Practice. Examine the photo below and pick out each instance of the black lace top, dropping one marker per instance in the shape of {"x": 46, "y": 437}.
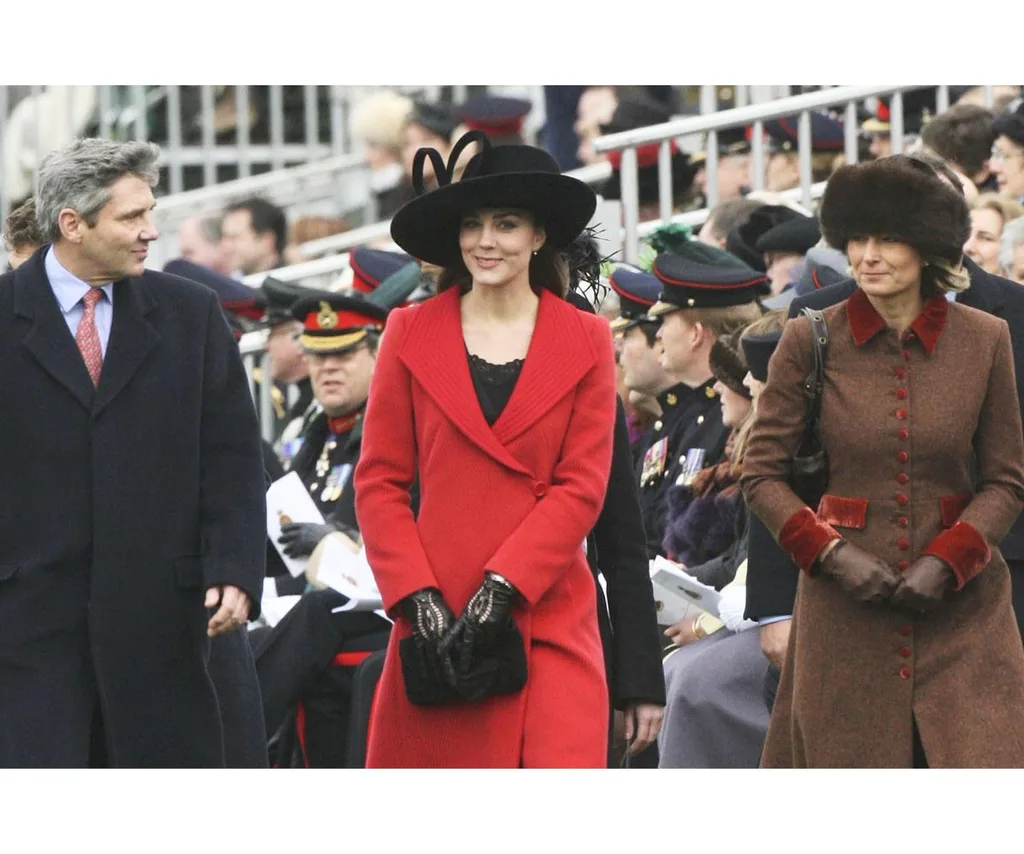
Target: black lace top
{"x": 493, "y": 384}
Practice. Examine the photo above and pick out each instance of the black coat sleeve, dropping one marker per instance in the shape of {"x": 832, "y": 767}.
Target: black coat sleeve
{"x": 771, "y": 575}
{"x": 622, "y": 559}
{"x": 232, "y": 489}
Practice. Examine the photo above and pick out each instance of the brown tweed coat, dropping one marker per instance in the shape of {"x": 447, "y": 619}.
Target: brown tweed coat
{"x": 899, "y": 419}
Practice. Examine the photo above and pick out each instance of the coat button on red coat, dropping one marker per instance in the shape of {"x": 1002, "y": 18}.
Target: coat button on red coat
{"x": 905, "y": 672}
{"x": 901, "y": 499}
{"x": 906, "y": 631}
{"x": 903, "y": 456}
{"x": 901, "y": 393}
{"x": 902, "y": 477}
{"x": 903, "y": 545}
{"x": 905, "y": 652}
{"x": 901, "y": 414}
{"x": 540, "y": 489}
{"x": 904, "y": 434}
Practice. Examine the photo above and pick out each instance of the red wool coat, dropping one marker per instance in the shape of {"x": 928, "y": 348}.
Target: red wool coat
{"x": 517, "y": 498}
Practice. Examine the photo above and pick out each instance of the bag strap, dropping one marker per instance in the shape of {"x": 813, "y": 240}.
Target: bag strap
{"x": 814, "y": 385}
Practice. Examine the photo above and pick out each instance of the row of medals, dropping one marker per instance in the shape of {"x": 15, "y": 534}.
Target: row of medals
{"x": 333, "y": 486}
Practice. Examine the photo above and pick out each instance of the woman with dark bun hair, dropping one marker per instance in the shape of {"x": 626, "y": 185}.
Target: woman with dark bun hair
{"x": 498, "y": 396}
{"x": 904, "y": 648}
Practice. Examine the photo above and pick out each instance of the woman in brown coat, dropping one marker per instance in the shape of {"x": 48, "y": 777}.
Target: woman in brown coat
{"x": 904, "y": 649}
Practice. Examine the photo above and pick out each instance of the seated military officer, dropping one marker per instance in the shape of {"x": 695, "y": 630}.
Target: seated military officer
{"x": 293, "y": 659}
{"x": 698, "y": 303}
{"x": 643, "y": 373}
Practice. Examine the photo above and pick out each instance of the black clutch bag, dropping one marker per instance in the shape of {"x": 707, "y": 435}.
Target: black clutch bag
{"x": 424, "y": 680}
{"x": 810, "y": 460}
{"x": 490, "y": 662}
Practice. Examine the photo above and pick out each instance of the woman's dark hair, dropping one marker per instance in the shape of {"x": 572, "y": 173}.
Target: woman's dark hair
{"x": 548, "y": 269}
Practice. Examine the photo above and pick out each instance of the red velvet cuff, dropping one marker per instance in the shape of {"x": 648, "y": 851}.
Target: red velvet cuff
{"x": 964, "y": 549}
{"x": 804, "y": 536}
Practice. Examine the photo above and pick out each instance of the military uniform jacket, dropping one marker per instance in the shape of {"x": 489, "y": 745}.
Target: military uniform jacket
{"x": 325, "y": 463}
{"x": 899, "y": 419}
{"x": 688, "y": 436}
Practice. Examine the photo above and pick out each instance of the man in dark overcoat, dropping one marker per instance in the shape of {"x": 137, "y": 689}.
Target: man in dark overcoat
{"x": 133, "y": 483}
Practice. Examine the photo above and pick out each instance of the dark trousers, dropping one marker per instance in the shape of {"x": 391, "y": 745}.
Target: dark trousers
{"x": 293, "y": 660}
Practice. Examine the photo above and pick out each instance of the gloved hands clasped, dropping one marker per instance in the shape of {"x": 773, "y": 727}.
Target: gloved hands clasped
{"x": 480, "y": 654}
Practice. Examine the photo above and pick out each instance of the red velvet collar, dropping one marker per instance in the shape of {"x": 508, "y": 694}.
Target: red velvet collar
{"x": 865, "y": 322}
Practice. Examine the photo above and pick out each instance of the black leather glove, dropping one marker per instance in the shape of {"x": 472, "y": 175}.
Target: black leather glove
{"x": 430, "y": 618}
{"x": 429, "y": 615}
{"x": 301, "y": 538}
{"x": 482, "y": 653}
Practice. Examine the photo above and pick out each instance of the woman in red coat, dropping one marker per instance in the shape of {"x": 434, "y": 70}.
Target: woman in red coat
{"x": 499, "y": 396}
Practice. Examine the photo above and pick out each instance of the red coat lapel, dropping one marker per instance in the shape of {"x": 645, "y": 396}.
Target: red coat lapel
{"x": 560, "y": 354}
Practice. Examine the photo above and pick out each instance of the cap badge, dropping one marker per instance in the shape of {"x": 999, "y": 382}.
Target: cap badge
{"x": 327, "y": 318}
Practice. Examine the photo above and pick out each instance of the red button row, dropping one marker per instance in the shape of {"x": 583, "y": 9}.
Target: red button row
{"x": 902, "y": 477}
{"x": 901, "y": 414}
{"x": 903, "y": 456}
{"x": 904, "y": 434}
{"x": 901, "y": 499}
{"x": 901, "y": 393}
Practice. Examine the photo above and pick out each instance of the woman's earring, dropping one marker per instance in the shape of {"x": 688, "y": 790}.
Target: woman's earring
{"x": 535, "y": 251}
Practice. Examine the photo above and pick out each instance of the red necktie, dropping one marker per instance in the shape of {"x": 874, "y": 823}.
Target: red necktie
{"x": 87, "y": 338}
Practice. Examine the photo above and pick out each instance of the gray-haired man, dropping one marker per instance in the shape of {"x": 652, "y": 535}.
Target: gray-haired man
{"x": 130, "y": 459}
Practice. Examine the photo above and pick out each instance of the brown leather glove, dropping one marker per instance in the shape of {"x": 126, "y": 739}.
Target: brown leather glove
{"x": 925, "y": 584}
{"x": 860, "y": 574}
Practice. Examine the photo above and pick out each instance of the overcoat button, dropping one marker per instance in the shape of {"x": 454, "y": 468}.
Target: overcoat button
{"x": 904, "y": 434}
{"x": 902, "y": 477}
{"x": 540, "y": 489}
{"x": 903, "y": 545}
{"x": 901, "y": 373}
{"x": 903, "y": 456}
{"x": 901, "y": 393}
{"x": 906, "y": 631}
{"x": 906, "y": 355}
{"x": 905, "y": 652}
{"x": 905, "y": 672}
{"x": 901, "y": 414}
{"x": 901, "y": 499}
{"x": 903, "y": 565}
{"x": 903, "y": 521}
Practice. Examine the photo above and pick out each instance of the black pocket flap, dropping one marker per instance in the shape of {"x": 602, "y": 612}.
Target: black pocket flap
{"x": 188, "y": 572}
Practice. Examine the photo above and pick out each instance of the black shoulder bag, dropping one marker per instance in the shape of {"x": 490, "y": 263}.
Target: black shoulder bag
{"x": 810, "y": 461}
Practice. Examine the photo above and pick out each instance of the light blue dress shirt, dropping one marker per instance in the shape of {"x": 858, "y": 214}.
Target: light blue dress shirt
{"x": 69, "y": 290}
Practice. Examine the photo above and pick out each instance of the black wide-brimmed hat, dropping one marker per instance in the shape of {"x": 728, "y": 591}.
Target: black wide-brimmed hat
{"x": 516, "y": 177}
{"x": 899, "y": 197}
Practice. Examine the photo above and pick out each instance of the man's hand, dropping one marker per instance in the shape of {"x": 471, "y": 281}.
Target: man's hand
{"x": 643, "y": 723}
{"x": 300, "y": 539}
{"x": 775, "y": 640}
{"x": 233, "y": 612}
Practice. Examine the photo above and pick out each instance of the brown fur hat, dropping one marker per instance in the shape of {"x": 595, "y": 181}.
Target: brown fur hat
{"x": 898, "y": 197}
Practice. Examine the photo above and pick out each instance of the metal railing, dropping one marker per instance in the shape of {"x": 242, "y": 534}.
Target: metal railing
{"x": 208, "y": 134}
{"x": 710, "y": 123}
